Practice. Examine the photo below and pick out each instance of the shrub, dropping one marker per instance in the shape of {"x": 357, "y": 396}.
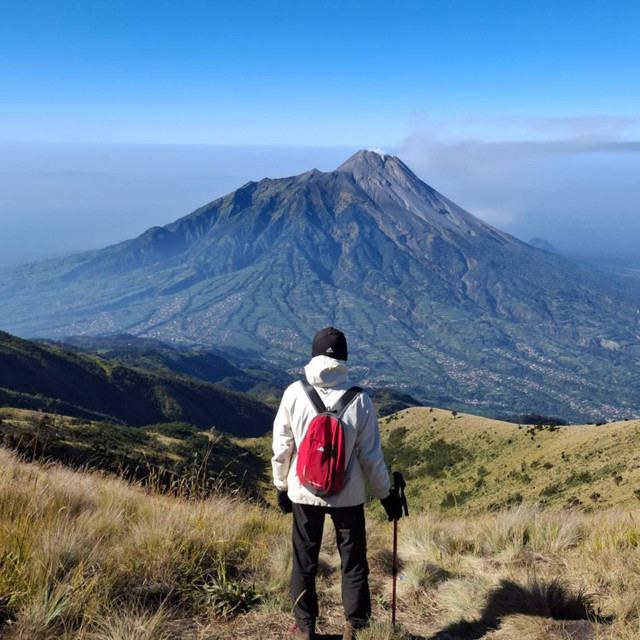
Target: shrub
{"x": 523, "y": 478}
{"x": 229, "y": 597}
{"x": 454, "y": 499}
{"x": 440, "y": 456}
{"x": 512, "y": 500}
{"x": 551, "y": 490}
{"x": 582, "y": 477}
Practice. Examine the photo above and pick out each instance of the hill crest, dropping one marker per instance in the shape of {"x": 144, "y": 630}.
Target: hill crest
{"x": 452, "y": 460}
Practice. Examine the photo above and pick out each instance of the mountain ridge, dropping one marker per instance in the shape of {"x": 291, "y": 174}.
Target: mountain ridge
{"x": 50, "y": 378}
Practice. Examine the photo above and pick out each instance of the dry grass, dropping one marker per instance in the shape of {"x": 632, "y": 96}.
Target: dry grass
{"x": 486, "y": 464}
{"x": 79, "y": 551}
{"x": 84, "y": 556}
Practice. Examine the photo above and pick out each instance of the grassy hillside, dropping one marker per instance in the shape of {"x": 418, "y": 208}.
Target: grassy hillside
{"x": 463, "y": 463}
{"x": 90, "y": 557}
{"x": 174, "y": 457}
{"x": 469, "y": 463}
{"x": 38, "y": 376}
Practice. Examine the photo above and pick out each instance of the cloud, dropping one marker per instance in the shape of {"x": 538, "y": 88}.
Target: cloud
{"x": 501, "y": 129}
{"x": 572, "y": 181}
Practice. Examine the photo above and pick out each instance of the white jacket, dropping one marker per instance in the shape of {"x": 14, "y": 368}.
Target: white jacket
{"x": 329, "y": 377}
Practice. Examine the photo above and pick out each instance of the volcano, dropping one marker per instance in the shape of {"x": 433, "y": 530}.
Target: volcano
{"x": 433, "y": 300}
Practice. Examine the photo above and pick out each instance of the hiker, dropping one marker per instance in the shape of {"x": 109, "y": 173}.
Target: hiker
{"x": 326, "y": 375}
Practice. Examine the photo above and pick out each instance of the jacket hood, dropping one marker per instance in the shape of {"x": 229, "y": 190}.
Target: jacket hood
{"x": 323, "y": 371}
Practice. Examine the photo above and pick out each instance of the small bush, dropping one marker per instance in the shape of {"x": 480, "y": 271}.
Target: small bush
{"x": 522, "y": 478}
{"x": 575, "y": 479}
{"x": 442, "y": 455}
{"x": 229, "y": 597}
{"x": 512, "y": 500}
{"x": 551, "y": 490}
{"x": 454, "y": 499}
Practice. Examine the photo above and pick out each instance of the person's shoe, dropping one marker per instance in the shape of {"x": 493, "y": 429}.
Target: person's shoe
{"x": 349, "y": 631}
{"x": 298, "y": 634}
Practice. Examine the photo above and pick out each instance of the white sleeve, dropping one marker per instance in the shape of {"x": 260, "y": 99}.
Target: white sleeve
{"x": 369, "y": 449}
{"x": 283, "y": 445}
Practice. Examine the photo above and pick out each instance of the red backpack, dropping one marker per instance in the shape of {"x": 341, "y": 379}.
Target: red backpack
{"x": 321, "y": 465}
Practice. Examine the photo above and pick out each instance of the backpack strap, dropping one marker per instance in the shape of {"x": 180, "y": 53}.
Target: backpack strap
{"x": 312, "y": 394}
{"x": 345, "y": 400}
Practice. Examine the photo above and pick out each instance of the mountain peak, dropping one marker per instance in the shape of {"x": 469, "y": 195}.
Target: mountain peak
{"x": 367, "y": 158}
{"x": 367, "y": 165}
{"x": 394, "y": 187}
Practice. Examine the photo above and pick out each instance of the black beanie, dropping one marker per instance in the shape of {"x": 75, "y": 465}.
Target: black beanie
{"x": 329, "y": 342}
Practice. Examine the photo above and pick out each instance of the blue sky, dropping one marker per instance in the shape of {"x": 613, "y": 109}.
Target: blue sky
{"x": 488, "y": 101}
{"x": 306, "y": 73}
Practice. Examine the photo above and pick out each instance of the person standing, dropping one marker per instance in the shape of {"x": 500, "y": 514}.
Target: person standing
{"x": 327, "y": 375}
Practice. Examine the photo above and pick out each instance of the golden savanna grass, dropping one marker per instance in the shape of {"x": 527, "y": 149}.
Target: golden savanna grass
{"x": 90, "y": 557}
{"x": 488, "y": 464}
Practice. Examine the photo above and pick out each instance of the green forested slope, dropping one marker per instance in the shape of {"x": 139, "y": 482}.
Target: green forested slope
{"x": 47, "y": 377}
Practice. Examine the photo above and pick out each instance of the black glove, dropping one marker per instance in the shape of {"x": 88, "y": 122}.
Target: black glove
{"x": 392, "y": 505}
{"x": 284, "y": 502}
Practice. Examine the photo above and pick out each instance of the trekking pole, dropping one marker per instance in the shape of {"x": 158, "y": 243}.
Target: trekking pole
{"x": 395, "y": 571}
{"x": 398, "y": 486}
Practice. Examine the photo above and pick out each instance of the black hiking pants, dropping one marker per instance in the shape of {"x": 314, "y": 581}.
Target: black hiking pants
{"x": 308, "y": 522}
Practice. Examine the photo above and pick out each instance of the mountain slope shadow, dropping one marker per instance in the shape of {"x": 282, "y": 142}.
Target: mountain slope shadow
{"x": 548, "y": 600}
